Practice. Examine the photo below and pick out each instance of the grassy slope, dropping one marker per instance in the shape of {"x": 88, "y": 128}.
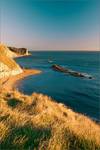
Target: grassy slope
{"x": 5, "y": 51}
{"x": 37, "y": 122}
{"x": 8, "y": 62}
{"x": 5, "y": 55}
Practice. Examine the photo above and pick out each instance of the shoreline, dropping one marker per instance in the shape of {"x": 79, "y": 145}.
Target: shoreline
{"x": 18, "y": 56}
{"x": 9, "y": 83}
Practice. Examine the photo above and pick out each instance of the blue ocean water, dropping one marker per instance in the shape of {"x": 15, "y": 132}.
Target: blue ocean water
{"x": 82, "y": 95}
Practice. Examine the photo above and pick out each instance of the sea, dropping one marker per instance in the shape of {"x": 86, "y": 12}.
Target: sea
{"x": 80, "y": 94}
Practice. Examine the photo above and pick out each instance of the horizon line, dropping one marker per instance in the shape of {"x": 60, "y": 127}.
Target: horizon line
{"x": 62, "y": 50}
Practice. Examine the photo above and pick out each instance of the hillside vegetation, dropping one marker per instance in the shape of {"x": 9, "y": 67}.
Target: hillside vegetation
{"x": 6, "y": 57}
{"x": 4, "y": 50}
{"x": 37, "y": 122}
{"x": 8, "y": 66}
{"x": 10, "y": 63}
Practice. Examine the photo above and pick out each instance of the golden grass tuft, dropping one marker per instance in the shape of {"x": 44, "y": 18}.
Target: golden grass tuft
{"x": 38, "y": 122}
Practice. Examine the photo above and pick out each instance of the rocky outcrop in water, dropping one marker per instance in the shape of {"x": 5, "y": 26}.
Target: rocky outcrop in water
{"x": 70, "y": 72}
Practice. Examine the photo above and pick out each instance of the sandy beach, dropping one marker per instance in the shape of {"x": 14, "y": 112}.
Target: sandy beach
{"x": 9, "y": 83}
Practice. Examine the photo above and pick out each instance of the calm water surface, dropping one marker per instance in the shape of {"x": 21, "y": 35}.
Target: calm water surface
{"x": 82, "y": 95}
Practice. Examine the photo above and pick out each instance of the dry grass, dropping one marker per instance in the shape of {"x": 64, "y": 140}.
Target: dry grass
{"x": 9, "y": 62}
{"x": 6, "y": 57}
{"x": 37, "y": 122}
{"x": 4, "y": 50}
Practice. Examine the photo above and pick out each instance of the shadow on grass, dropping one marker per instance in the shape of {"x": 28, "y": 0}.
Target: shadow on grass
{"x": 13, "y": 102}
{"x": 79, "y": 143}
{"x": 29, "y": 138}
{"x": 26, "y": 138}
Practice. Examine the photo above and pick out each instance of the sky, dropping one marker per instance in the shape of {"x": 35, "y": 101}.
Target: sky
{"x": 50, "y": 24}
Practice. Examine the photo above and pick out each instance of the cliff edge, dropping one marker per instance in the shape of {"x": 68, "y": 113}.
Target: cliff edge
{"x": 8, "y": 66}
{"x": 37, "y": 122}
{"x": 19, "y": 51}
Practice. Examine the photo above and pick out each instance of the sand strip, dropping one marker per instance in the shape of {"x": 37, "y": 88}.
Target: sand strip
{"x": 9, "y": 83}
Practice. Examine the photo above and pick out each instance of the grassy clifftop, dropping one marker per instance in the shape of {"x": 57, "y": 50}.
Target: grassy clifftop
{"x": 4, "y": 50}
{"x": 8, "y": 66}
{"x": 9, "y": 62}
{"x": 6, "y": 57}
{"x": 37, "y": 122}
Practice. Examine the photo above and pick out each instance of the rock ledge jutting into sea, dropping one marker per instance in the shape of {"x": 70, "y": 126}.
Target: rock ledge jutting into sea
{"x": 19, "y": 51}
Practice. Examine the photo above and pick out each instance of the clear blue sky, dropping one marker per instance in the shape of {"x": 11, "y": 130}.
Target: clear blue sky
{"x": 50, "y": 24}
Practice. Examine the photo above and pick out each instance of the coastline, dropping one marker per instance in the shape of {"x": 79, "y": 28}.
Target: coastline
{"x": 23, "y": 116}
{"x": 9, "y": 83}
{"x": 18, "y": 55}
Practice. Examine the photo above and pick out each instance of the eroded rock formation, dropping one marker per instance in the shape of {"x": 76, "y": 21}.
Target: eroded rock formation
{"x": 20, "y": 51}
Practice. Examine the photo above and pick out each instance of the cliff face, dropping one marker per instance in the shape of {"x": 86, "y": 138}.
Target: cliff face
{"x": 20, "y": 51}
{"x": 8, "y": 66}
